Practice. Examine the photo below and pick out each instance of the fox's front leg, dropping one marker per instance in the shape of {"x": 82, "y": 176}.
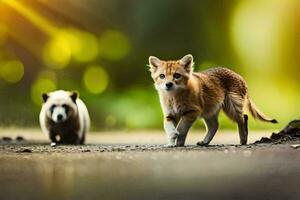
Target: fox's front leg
{"x": 170, "y": 129}
{"x": 212, "y": 126}
{"x": 183, "y": 126}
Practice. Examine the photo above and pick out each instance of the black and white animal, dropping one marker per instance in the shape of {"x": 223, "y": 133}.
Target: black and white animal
{"x": 64, "y": 117}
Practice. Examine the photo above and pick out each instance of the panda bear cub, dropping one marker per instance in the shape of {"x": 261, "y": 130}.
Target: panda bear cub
{"x": 64, "y": 117}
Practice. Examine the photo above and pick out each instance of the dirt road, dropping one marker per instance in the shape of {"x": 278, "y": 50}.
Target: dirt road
{"x": 121, "y": 165}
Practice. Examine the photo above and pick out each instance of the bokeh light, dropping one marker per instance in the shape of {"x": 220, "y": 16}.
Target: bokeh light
{"x": 12, "y": 71}
{"x": 45, "y": 82}
{"x": 95, "y": 79}
{"x": 263, "y": 37}
{"x": 88, "y": 47}
{"x": 113, "y": 45}
{"x": 67, "y": 44}
{"x": 257, "y": 32}
{"x": 57, "y": 53}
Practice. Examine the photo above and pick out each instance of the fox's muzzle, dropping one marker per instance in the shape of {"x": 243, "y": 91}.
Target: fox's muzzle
{"x": 169, "y": 85}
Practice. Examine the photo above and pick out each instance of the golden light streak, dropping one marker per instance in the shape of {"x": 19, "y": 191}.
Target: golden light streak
{"x": 34, "y": 17}
{"x": 64, "y": 45}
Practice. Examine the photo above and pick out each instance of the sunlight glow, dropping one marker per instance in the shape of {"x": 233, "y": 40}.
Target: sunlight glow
{"x": 113, "y": 45}
{"x": 257, "y": 32}
{"x": 88, "y": 47}
{"x": 45, "y": 82}
{"x": 12, "y": 71}
{"x": 69, "y": 44}
{"x": 31, "y": 15}
{"x": 57, "y": 53}
{"x": 95, "y": 79}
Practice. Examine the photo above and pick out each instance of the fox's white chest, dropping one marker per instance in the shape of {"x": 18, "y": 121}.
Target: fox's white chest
{"x": 170, "y": 106}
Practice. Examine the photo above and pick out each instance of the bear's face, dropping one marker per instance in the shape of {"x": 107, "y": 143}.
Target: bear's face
{"x": 60, "y": 105}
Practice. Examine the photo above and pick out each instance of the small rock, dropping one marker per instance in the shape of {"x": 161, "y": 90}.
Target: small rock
{"x": 264, "y": 140}
{"x": 86, "y": 150}
{"x": 295, "y": 146}
{"x": 6, "y": 138}
{"x": 24, "y": 151}
{"x": 118, "y": 149}
{"x": 20, "y": 138}
{"x": 53, "y": 144}
{"x": 276, "y": 136}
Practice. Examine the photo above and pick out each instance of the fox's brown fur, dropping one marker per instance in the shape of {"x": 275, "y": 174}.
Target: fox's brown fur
{"x": 186, "y": 95}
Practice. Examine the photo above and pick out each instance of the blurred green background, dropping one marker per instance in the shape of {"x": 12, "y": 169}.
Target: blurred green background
{"x": 101, "y": 47}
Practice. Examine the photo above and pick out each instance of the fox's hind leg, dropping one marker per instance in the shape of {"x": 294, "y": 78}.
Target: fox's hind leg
{"x": 243, "y": 130}
{"x": 233, "y": 108}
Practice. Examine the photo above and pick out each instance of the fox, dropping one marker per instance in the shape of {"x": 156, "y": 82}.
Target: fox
{"x": 186, "y": 95}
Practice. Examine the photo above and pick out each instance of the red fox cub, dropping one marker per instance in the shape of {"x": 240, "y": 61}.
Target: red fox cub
{"x": 186, "y": 95}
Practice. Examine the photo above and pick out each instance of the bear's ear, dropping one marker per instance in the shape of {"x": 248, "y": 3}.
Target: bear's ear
{"x": 45, "y": 97}
{"x": 74, "y": 95}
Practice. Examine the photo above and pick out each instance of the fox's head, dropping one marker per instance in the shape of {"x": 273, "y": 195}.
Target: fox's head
{"x": 171, "y": 75}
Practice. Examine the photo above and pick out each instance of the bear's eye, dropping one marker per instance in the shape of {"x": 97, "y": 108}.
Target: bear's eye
{"x": 162, "y": 76}
{"x": 177, "y": 76}
{"x": 52, "y": 107}
{"x": 66, "y": 107}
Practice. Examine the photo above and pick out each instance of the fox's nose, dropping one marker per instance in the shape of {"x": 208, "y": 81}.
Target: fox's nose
{"x": 169, "y": 85}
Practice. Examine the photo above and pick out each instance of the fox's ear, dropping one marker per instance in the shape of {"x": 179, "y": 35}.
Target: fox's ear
{"x": 187, "y": 62}
{"x": 154, "y": 63}
{"x": 74, "y": 95}
{"x": 45, "y": 97}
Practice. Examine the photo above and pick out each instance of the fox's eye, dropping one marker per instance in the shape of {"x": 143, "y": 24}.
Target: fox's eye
{"x": 177, "y": 76}
{"x": 161, "y": 76}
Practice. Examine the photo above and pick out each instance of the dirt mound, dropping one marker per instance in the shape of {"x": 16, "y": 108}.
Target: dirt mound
{"x": 290, "y": 133}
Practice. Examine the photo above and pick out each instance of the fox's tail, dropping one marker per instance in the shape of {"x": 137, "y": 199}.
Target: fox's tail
{"x": 257, "y": 114}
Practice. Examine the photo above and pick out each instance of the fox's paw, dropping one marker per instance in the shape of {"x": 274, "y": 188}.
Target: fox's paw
{"x": 202, "y": 143}
{"x": 172, "y": 139}
{"x": 179, "y": 144}
{"x": 170, "y": 145}
{"x": 174, "y": 136}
